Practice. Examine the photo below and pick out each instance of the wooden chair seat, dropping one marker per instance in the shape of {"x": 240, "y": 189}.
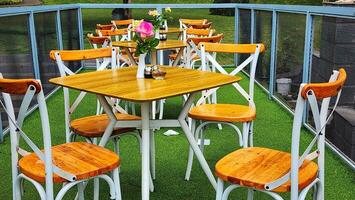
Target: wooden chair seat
{"x": 84, "y": 160}
{"x": 95, "y": 125}
{"x": 223, "y": 113}
{"x": 255, "y": 166}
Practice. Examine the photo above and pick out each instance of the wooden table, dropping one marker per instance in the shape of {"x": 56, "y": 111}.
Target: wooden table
{"x": 163, "y": 45}
{"x": 123, "y": 84}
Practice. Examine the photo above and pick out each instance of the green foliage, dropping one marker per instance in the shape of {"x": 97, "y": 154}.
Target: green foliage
{"x": 144, "y": 45}
{"x": 7, "y": 2}
{"x": 291, "y": 2}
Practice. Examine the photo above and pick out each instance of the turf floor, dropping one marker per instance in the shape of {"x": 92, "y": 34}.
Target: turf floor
{"x": 272, "y": 129}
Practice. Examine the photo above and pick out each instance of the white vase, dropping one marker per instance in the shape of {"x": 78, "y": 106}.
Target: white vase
{"x": 141, "y": 65}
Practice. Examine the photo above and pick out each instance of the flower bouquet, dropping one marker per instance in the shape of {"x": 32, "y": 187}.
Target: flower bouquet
{"x": 159, "y": 18}
{"x": 145, "y": 43}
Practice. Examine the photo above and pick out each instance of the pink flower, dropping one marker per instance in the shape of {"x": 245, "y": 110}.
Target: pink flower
{"x": 145, "y": 29}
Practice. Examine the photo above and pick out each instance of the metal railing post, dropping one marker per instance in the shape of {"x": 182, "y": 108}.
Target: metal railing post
{"x": 273, "y": 52}
{"x": 34, "y": 49}
{"x": 252, "y": 26}
{"x": 81, "y": 31}
{"x": 236, "y": 32}
{"x": 59, "y": 30}
{"x": 307, "y": 56}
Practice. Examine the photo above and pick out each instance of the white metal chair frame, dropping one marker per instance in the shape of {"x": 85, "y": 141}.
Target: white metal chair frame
{"x": 320, "y": 119}
{"x": 16, "y": 133}
{"x": 247, "y": 131}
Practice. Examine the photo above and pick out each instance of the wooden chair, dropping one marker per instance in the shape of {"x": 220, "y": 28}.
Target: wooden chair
{"x": 118, "y": 34}
{"x": 122, "y": 23}
{"x": 190, "y": 33}
{"x": 105, "y": 27}
{"x": 227, "y": 114}
{"x": 207, "y": 25}
{"x": 272, "y": 171}
{"x": 186, "y": 23}
{"x": 194, "y": 53}
{"x": 92, "y": 126}
{"x": 53, "y": 164}
{"x": 105, "y": 41}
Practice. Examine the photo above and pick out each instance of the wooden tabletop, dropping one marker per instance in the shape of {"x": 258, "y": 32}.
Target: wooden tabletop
{"x": 168, "y": 44}
{"x": 123, "y": 84}
{"x": 172, "y": 30}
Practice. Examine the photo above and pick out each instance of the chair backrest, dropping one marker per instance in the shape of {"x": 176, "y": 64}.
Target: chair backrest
{"x": 109, "y": 56}
{"x": 31, "y": 89}
{"x": 202, "y": 26}
{"x": 254, "y": 50}
{"x": 96, "y": 41}
{"x": 185, "y": 23}
{"x": 191, "y": 32}
{"x": 310, "y": 93}
{"x": 119, "y": 34}
{"x": 125, "y": 22}
{"x": 105, "y": 27}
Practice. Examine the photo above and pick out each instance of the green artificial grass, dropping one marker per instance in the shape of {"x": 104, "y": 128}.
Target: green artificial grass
{"x": 272, "y": 129}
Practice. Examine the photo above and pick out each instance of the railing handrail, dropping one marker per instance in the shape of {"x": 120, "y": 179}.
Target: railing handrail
{"x": 301, "y": 9}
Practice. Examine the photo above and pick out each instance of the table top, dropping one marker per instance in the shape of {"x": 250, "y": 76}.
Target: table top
{"x": 172, "y": 30}
{"x": 168, "y": 44}
{"x": 123, "y": 84}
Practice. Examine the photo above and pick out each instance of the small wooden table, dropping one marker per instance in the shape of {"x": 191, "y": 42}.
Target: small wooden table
{"x": 163, "y": 45}
{"x": 123, "y": 84}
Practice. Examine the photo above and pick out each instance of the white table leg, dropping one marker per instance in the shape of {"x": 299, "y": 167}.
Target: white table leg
{"x": 193, "y": 142}
{"x": 145, "y": 150}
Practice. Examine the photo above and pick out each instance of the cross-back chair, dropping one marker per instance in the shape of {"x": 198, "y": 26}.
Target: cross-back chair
{"x": 207, "y": 25}
{"x": 186, "y": 23}
{"x": 194, "y": 53}
{"x": 190, "y": 33}
{"x": 118, "y": 34}
{"x": 92, "y": 126}
{"x": 227, "y": 114}
{"x": 105, "y": 27}
{"x": 124, "y": 22}
{"x": 272, "y": 171}
{"x": 105, "y": 41}
{"x": 53, "y": 164}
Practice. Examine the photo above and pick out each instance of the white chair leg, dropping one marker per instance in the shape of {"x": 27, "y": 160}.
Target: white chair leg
{"x": 133, "y": 109}
{"x": 116, "y": 180}
{"x": 191, "y": 155}
{"x": 161, "y": 107}
{"x": 116, "y": 147}
{"x": 151, "y": 183}
{"x": 251, "y": 135}
{"x": 250, "y": 194}
{"x": 245, "y": 134}
{"x": 219, "y": 192}
{"x": 320, "y": 191}
{"x": 96, "y": 188}
{"x": 81, "y": 188}
{"x": 152, "y": 154}
{"x": 153, "y": 111}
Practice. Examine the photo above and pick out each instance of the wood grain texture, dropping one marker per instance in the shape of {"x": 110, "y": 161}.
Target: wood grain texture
{"x": 255, "y": 166}
{"x": 213, "y": 39}
{"x": 105, "y": 26}
{"x": 123, "y": 22}
{"x": 81, "y": 159}
{"x": 98, "y": 39}
{"x": 18, "y": 86}
{"x": 324, "y": 90}
{"x": 95, "y": 125}
{"x": 88, "y": 54}
{"x": 168, "y": 44}
{"x": 114, "y": 32}
{"x": 172, "y": 30}
{"x": 189, "y": 22}
{"x": 199, "y": 32}
{"x": 123, "y": 84}
{"x": 202, "y": 26}
{"x": 231, "y": 48}
{"x": 223, "y": 113}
